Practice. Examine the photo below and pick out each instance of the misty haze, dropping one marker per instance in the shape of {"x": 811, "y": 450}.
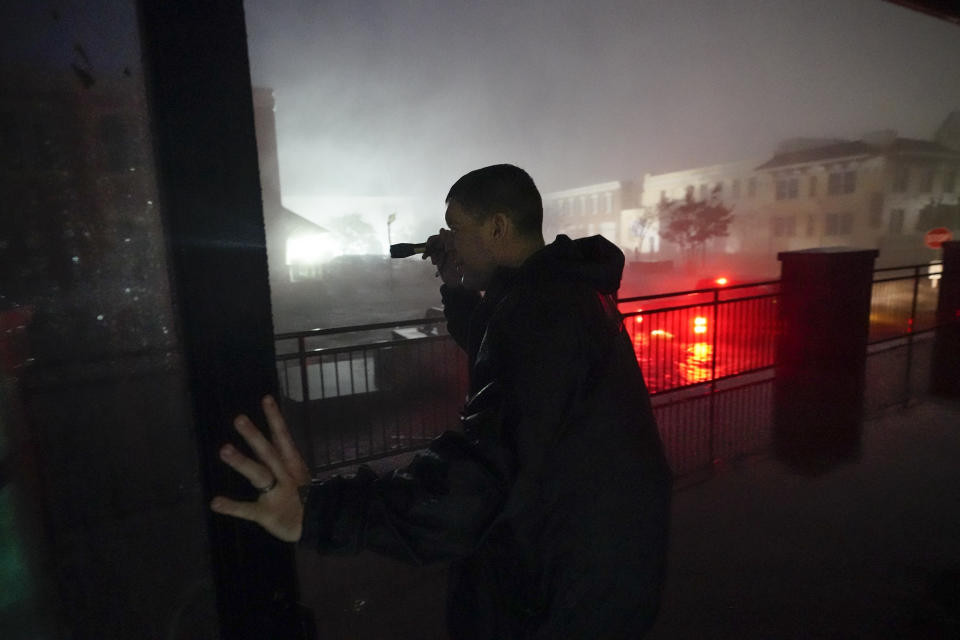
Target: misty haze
{"x": 611, "y": 106}
{"x": 806, "y": 397}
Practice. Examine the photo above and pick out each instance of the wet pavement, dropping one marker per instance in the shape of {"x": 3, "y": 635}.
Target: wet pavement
{"x": 867, "y": 550}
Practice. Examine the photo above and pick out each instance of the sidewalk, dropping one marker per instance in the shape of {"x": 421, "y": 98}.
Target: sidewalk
{"x": 864, "y": 551}
{"x": 868, "y": 550}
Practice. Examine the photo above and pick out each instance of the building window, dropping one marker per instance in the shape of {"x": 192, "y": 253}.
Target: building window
{"x": 810, "y": 225}
{"x": 841, "y": 182}
{"x": 876, "y": 211}
{"x": 703, "y": 191}
{"x": 896, "y": 222}
{"x": 834, "y": 183}
{"x": 689, "y": 193}
{"x": 787, "y": 188}
{"x": 609, "y": 199}
{"x": 949, "y": 181}
{"x": 837, "y": 224}
{"x": 831, "y": 224}
{"x": 849, "y": 181}
{"x": 736, "y": 188}
{"x": 784, "y": 226}
{"x": 901, "y": 179}
{"x": 846, "y": 224}
{"x": 663, "y": 195}
{"x": 813, "y": 186}
{"x": 718, "y": 190}
{"x": 593, "y": 204}
{"x": 926, "y": 181}
{"x": 752, "y": 188}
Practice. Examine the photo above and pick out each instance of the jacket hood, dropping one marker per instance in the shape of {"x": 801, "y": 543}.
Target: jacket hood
{"x": 594, "y": 260}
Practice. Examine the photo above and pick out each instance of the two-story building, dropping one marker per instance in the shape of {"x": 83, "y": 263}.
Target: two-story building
{"x": 590, "y": 210}
{"x": 737, "y": 184}
{"x": 818, "y": 192}
{"x": 862, "y": 193}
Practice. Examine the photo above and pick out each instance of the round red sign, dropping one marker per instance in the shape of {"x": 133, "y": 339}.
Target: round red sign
{"x": 935, "y": 237}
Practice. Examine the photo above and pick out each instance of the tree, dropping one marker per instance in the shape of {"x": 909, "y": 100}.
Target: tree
{"x": 642, "y": 225}
{"x": 689, "y": 223}
{"x": 356, "y": 235}
{"x": 936, "y": 214}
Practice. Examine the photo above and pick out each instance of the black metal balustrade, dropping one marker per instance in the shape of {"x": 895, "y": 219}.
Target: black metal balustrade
{"x": 708, "y": 356}
{"x": 903, "y": 317}
{"x": 358, "y": 393}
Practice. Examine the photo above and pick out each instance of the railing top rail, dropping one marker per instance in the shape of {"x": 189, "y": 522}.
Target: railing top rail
{"x": 910, "y": 266}
{"x": 359, "y": 327}
{"x": 746, "y": 285}
{"x": 899, "y": 278}
{"x": 657, "y": 296}
{"x": 329, "y": 351}
{"x": 705, "y": 303}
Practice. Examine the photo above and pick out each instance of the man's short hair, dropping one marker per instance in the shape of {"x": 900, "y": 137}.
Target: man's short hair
{"x": 504, "y": 188}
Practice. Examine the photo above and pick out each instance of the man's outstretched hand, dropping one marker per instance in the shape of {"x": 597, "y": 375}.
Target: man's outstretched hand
{"x": 278, "y": 474}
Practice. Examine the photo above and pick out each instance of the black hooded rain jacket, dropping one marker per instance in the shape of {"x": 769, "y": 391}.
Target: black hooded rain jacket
{"x": 552, "y": 501}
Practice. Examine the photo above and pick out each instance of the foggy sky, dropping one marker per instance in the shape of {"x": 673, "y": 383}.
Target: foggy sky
{"x": 380, "y": 97}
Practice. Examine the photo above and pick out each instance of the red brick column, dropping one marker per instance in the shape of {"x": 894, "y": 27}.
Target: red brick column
{"x": 821, "y": 356}
{"x": 945, "y": 369}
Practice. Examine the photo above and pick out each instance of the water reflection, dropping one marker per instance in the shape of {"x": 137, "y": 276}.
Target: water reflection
{"x": 697, "y": 363}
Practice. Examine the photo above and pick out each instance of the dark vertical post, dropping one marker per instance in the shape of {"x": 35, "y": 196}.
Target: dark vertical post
{"x": 945, "y": 374}
{"x": 714, "y": 329}
{"x": 911, "y": 328}
{"x": 821, "y": 356}
{"x": 202, "y": 116}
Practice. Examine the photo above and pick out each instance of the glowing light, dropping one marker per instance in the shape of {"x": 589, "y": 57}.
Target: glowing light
{"x": 721, "y": 281}
{"x": 311, "y": 249}
{"x": 661, "y": 332}
{"x": 701, "y": 351}
{"x": 638, "y": 319}
{"x": 695, "y": 367}
{"x": 700, "y": 325}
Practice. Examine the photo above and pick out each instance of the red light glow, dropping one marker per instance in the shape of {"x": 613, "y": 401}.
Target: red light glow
{"x": 700, "y": 325}
{"x": 721, "y": 281}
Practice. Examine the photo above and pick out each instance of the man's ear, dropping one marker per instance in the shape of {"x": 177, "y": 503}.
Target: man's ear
{"x": 500, "y": 225}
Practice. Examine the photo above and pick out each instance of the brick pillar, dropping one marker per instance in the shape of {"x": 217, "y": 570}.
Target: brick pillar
{"x": 945, "y": 369}
{"x": 821, "y": 356}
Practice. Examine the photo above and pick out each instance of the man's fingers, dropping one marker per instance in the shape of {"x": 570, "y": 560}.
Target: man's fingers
{"x": 235, "y": 508}
{"x": 260, "y": 445}
{"x": 283, "y": 441}
{"x": 258, "y": 475}
{"x": 436, "y": 246}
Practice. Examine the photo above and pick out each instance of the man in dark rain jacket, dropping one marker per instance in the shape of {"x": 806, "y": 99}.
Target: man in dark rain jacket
{"x": 552, "y": 501}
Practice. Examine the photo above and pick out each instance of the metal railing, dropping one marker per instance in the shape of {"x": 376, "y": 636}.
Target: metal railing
{"x": 708, "y": 356}
{"x": 702, "y": 335}
{"x": 352, "y": 394}
{"x": 903, "y": 316}
{"x": 357, "y": 393}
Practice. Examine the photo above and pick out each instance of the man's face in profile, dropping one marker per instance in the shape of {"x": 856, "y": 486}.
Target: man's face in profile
{"x": 472, "y": 241}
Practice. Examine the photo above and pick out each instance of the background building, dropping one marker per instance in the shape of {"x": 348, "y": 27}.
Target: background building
{"x": 737, "y": 184}
{"x": 817, "y": 192}
{"x": 590, "y": 210}
{"x": 863, "y": 193}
